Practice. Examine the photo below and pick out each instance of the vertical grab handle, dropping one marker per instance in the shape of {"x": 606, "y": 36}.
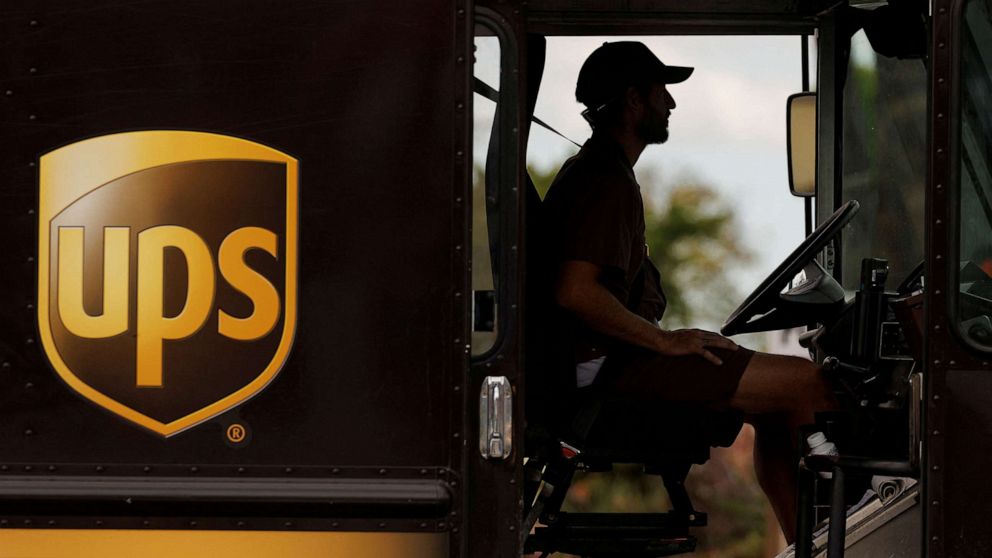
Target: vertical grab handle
{"x": 496, "y": 418}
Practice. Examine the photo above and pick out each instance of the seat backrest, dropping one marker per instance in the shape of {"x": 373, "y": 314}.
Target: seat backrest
{"x": 549, "y": 361}
{"x": 547, "y": 357}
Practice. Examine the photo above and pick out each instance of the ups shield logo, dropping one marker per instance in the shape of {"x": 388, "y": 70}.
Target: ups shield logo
{"x": 167, "y": 272}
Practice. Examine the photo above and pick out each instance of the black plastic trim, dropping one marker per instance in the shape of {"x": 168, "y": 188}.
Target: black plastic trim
{"x": 217, "y": 497}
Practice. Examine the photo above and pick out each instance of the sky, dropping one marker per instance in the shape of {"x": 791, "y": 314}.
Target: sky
{"x": 728, "y": 130}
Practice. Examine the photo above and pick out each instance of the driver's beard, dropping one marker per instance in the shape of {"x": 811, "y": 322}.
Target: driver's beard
{"x": 653, "y": 129}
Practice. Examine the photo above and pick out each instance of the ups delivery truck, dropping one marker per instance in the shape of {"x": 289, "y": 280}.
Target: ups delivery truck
{"x": 239, "y": 314}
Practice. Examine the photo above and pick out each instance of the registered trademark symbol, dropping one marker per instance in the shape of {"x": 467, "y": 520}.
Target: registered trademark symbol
{"x": 236, "y": 433}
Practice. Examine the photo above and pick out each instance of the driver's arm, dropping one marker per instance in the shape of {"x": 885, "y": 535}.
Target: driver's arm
{"x": 579, "y": 291}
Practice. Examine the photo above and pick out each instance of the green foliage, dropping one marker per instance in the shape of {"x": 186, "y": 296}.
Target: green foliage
{"x": 693, "y": 241}
{"x": 543, "y": 178}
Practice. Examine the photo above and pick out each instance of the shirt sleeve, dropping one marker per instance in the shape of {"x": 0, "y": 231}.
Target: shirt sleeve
{"x": 598, "y": 225}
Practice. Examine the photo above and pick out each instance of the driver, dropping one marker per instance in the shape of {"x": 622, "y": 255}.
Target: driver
{"x": 611, "y": 292}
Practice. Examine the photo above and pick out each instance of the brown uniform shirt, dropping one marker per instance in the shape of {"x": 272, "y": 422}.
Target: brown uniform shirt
{"x": 595, "y": 213}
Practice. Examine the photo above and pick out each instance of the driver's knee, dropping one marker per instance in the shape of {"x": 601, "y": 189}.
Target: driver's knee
{"x": 816, "y": 390}
{"x": 781, "y": 384}
{"x": 804, "y": 385}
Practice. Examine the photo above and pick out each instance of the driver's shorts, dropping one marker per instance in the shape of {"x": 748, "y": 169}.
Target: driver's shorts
{"x": 643, "y": 374}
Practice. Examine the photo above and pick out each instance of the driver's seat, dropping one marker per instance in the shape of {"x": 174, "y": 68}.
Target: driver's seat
{"x": 589, "y": 429}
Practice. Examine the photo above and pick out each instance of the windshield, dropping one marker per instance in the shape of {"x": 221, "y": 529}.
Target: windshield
{"x": 884, "y": 160}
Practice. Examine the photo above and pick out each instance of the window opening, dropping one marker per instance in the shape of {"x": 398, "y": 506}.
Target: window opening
{"x": 884, "y": 160}
{"x": 720, "y": 215}
{"x": 726, "y": 156}
{"x": 484, "y": 243}
{"x": 974, "y": 304}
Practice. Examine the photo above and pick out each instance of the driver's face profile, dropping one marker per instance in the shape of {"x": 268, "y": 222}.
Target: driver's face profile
{"x": 661, "y": 99}
{"x": 653, "y": 127}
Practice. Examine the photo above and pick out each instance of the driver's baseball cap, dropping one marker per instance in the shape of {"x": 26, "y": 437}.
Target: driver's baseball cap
{"x": 613, "y": 67}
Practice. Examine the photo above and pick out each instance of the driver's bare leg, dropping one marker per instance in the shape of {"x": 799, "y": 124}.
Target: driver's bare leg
{"x": 778, "y": 394}
{"x": 775, "y": 466}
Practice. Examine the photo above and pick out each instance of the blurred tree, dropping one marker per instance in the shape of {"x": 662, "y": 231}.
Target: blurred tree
{"x": 694, "y": 242}
{"x": 543, "y": 178}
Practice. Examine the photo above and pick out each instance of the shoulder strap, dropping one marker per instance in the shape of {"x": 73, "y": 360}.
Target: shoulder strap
{"x": 484, "y": 89}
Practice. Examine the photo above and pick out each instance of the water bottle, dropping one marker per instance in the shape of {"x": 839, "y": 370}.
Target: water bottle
{"x": 819, "y": 445}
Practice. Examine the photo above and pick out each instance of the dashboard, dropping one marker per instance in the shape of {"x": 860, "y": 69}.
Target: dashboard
{"x": 868, "y": 345}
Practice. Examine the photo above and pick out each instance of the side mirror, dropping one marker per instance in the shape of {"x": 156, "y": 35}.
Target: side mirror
{"x": 801, "y": 124}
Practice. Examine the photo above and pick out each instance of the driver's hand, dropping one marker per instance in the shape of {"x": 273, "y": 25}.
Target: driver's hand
{"x": 693, "y": 342}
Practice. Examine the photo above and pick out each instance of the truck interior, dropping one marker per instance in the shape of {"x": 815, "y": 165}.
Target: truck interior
{"x": 855, "y": 283}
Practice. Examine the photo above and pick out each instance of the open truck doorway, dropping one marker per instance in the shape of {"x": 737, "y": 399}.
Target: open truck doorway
{"x": 719, "y": 215}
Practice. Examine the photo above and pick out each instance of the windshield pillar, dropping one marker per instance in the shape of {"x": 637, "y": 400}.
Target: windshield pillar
{"x": 829, "y": 83}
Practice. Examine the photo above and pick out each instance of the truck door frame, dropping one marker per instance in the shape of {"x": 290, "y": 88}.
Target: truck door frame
{"x": 493, "y": 495}
{"x": 955, "y": 371}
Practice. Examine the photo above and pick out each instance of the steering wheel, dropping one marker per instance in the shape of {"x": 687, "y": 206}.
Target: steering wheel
{"x": 767, "y": 298}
